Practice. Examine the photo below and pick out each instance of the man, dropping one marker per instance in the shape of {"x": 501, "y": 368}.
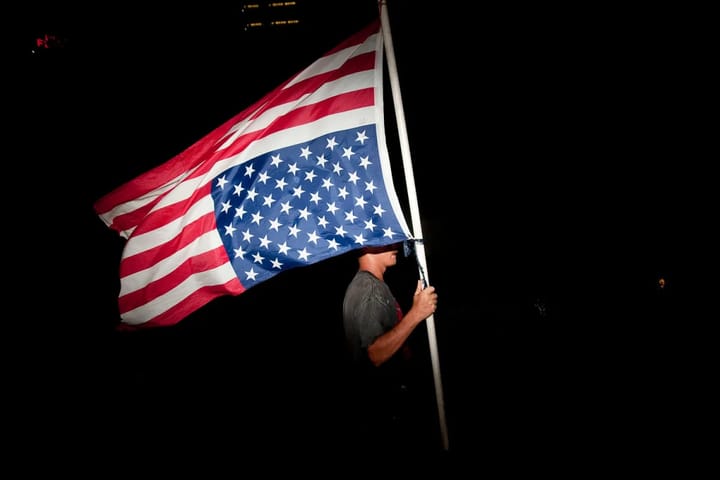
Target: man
{"x": 376, "y": 331}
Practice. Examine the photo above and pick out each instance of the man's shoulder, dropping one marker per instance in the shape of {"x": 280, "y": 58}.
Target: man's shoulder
{"x": 365, "y": 285}
{"x": 363, "y": 278}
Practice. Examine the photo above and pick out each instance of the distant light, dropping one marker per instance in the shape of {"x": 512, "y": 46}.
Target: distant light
{"x": 48, "y": 41}
{"x": 661, "y": 283}
{"x": 284, "y": 22}
{"x": 270, "y": 15}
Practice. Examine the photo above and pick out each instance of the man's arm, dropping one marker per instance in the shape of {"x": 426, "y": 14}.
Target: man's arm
{"x": 385, "y": 346}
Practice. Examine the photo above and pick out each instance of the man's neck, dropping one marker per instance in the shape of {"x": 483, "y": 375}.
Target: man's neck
{"x": 376, "y": 270}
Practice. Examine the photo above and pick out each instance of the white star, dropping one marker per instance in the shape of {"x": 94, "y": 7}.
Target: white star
{"x": 360, "y": 201}
{"x": 284, "y": 248}
{"x": 298, "y": 191}
{"x": 313, "y": 237}
{"x": 315, "y": 198}
{"x": 370, "y": 186}
{"x": 388, "y": 232}
{"x": 275, "y": 225}
{"x": 350, "y": 217}
{"x": 331, "y": 143}
{"x": 229, "y": 229}
{"x": 221, "y": 182}
{"x": 364, "y": 162}
{"x": 265, "y": 242}
{"x": 268, "y": 200}
{"x": 321, "y": 160}
{"x": 276, "y": 160}
{"x": 348, "y": 152}
{"x": 285, "y": 207}
{"x": 250, "y": 274}
{"x": 256, "y": 218}
{"x": 327, "y": 184}
{"x": 332, "y": 208}
{"x": 303, "y": 254}
{"x": 361, "y": 137}
{"x": 359, "y": 239}
{"x": 263, "y": 177}
{"x": 280, "y": 183}
{"x": 304, "y": 213}
{"x": 305, "y": 152}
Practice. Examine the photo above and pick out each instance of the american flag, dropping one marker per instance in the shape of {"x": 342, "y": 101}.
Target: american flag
{"x": 300, "y": 176}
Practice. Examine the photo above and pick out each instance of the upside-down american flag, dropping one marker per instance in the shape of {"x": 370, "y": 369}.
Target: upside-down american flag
{"x": 298, "y": 177}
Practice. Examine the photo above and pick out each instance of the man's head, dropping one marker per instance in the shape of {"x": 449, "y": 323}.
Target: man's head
{"x": 377, "y": 258}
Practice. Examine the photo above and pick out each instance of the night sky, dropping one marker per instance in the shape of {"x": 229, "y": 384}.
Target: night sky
{"x": 561, "y": 171}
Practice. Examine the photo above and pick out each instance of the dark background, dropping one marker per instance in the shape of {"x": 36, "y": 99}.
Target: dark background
{"x": 562, "y": 169}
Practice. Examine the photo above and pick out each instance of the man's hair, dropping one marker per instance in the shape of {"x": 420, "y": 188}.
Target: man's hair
{"x": 380, "y": 248}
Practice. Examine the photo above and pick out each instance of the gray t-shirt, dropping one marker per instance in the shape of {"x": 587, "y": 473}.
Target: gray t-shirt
{"x": 369, "y": 310}
{"x": 380, "y": 398}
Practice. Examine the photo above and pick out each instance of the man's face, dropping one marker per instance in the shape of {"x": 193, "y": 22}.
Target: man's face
{"x": 389, "y": 257}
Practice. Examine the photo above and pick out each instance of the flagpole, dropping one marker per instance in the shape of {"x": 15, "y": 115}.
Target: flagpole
{"x": 414, "y": 210}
